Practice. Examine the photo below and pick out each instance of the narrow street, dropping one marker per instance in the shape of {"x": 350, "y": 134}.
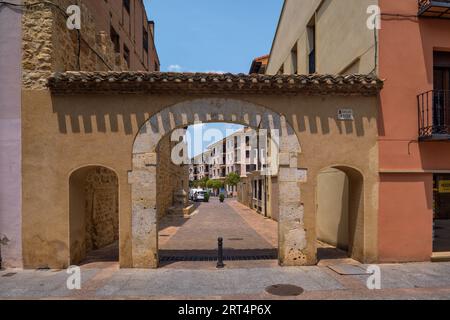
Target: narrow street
{"x": 246, "y": 234}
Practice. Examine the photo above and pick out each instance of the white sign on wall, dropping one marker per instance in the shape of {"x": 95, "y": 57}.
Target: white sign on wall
{"x": 345, "y": 115}
{"x": 302, "y": 175}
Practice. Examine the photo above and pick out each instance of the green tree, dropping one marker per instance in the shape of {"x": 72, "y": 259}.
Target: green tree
{"x": 214, "y": 184}
{"x": 203, "y": 183}
{"x": 232, "y": 179}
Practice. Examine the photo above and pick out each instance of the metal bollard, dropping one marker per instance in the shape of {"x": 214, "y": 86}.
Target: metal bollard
{"x": 220, "y": 264}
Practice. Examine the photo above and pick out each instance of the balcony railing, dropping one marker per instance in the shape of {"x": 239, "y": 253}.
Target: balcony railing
{"x": 434, "y": 115}
{"x": 434, "y": 8}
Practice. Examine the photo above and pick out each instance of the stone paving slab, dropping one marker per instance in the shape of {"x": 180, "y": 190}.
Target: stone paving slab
{"x": 213, "y": 220}
{"x": 406, "y": 281}
{"x": 218, "y": 283}
{"x": 413, "y": 275}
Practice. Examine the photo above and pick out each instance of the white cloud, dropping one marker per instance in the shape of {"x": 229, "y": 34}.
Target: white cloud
{"x": 175, "y": 68}
{"x": 178, "y": 68}
{"x": 214, "y": 71}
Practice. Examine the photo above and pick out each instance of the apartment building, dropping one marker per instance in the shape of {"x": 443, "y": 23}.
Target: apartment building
{"x": 234, "y": 154}
{"x": 411, "y": 52}
{"x": 199, "y": 168}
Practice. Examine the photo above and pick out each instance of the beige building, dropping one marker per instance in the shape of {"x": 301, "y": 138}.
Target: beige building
{"x": 258, "y": 189}
{"x": 324, "y": 37}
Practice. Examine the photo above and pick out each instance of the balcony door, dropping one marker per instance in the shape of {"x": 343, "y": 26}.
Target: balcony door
{"x": 441, "y": 97}
{"x": 442, "y": 78}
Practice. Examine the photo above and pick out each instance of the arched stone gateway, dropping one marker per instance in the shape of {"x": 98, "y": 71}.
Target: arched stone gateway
{"x": 116, "y": 120}
{"x": 292, "y": 233}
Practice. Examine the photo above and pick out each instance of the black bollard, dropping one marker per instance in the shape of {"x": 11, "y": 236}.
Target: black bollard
{"x": 220, "y": 264}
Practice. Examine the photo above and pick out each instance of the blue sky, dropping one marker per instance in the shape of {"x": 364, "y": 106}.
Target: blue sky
{"x": 213, "y": 35}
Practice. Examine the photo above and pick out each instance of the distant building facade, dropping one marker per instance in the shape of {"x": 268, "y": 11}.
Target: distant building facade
{"x": 259, "y": 65}
{"x": 232, "y": 154}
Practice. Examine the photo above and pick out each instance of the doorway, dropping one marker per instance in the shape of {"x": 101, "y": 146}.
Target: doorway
{"x": 339, "y": 210}
{"x": 441, "y": 213}
{"x": 93, "y": 215}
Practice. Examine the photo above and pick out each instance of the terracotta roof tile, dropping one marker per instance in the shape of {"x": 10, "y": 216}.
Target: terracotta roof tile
{"x": 210, "y": 83}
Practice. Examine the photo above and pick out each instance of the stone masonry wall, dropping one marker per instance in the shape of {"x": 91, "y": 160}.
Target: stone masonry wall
{"x": 49, "y": 46}
{"x": 170, "y": 177}
{"x": 102, "y": 209}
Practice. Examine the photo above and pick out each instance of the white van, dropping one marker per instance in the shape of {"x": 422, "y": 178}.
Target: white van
{"x": 193, "y": 192}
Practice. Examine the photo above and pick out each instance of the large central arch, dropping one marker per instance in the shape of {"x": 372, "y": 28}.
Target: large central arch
{"x": 292, "y": 233}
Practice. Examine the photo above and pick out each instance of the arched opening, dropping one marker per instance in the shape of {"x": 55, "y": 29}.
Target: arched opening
{"x": 340, "y": 214}
{"x": 198, "y": 203}
{"x": 93, "y": 215}
{"x": 144, "y": 177}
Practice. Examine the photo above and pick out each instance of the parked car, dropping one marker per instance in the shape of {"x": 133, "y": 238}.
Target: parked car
{"x": 200, "y": 196}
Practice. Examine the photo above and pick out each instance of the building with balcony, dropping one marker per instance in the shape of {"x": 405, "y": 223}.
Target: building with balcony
{"x": 235, "y": 153}
{"x": 411, "y": 52}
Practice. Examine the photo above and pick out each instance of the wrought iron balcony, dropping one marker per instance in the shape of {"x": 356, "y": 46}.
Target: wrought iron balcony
{"x": 434, "y": 115}
{"x": 434, "y": 8}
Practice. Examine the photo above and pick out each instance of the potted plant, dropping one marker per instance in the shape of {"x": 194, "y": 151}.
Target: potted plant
{"x": 206, "y": 197}
{"x": 222, "y": 197}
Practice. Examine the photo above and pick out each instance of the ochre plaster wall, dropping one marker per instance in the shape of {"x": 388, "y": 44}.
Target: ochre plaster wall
{"x": 332, "y": 212}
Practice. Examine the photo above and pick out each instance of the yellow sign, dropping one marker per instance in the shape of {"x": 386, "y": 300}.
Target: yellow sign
{"x": 444, "y": 186}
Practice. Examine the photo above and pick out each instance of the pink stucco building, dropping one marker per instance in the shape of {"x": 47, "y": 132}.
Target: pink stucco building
{"x": 414, "y": 130}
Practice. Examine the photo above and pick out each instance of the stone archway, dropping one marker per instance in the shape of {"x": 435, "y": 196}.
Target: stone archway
{"x": 292, "y": 233}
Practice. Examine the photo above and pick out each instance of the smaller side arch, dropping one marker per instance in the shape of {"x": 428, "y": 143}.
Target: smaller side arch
{"x": 340, "y": 209}
{"x": 93, "y": 212}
